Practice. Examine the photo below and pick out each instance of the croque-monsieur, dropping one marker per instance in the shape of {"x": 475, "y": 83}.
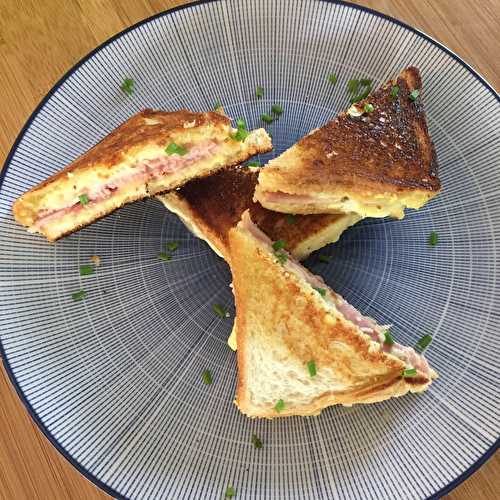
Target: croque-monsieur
{"x": 152, "y": 152}
{"x": 374, "y": 160}
{"x": 301, "y": 346}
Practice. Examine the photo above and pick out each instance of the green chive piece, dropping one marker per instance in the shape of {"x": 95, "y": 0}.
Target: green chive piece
{"x": 361, "y": 96}
{"x": 80, "y": 295}
{"x": 256, "y": 441}
{"x": 424, "y": 342}
{"x": 240, "y": 135}
{"x": 368, "y": 108}
{"x": 240, "y": 123}
{"x": 220, "y": 311}
{"x": 86, "y": 270}
{"x": 279, "y": 406}
{"x": 230, "y": 492}
{"x": 414, "y": 94}
{"x": 277, "y": 109}
{"x": 353, "y": 86}
{"x": 279, "y": 244}
{"x": 365, "y": 82}
{"x": 311, "y": 367}
{"x": 207, "y": 377}
{"x": 291, "y": 219}
{"x": 394, "y": 91}
{"x": 164, "y": 256}
{"x": 174, "y": 149}
{"x": 217, "y": 105}
{"x": 84, "y": 199}
{"x": 321, "y": 291}
{"x": 254, "y": 163}
{"x": 128, "y": 86}
{"x": 410, "y": 372}
{"x": 281, "y": 256}
{"x": 433, "y": 239}
{"x": 324, "y": 258}
{"x": 388, "y": 338}
{"x": 332, "y": 78}
{"x": 267, "y": 118}
{"x": 172, "y": 246}
{"x": 259, "y": 91}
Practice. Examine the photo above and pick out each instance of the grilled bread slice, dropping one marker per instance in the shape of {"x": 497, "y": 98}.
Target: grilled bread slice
{"x": 152, "y": 152}
{"x": 301, "y": 347}
{"x": 211, "y": 206}
{"x": 374, "y": 160}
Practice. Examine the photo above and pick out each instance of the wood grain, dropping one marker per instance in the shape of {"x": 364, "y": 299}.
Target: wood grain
{"x": 39, "y": 42}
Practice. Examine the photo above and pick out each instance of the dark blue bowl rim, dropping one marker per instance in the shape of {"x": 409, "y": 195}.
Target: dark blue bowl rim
{"x": 110, "y": 491}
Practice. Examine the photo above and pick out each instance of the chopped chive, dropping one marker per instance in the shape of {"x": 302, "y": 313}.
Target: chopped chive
{"x": 220, "y": 311}
{"x": 291, "y": 219}
{"x": 368, "y": 108}
{"x": 332, "y": 78}
{"x": 230, "y": 492}
{"x": 254, "y": 163}
{"x": 311, "y": 367}
{"x": 279, "y": 244}
{"x": 84, "y": 199}
{"x": 365, "y": 82}
{"x": 259, "y": 91}
{"x": 410, "y": 372}
{"x": 240, "y": 123}
{"x": 394, "y": 91}
{"x": 279, "y": 406}
{"x": 353, "y": 86}
{"x": 324, "y": 258}
{"x": 433, "y": 239}
{"x": 321, "y": 291}
{"x": 414, "y": 94}
{"x": 217, "y": 105}
{"x": 256, "y": 441}
{"x": 86, "y": 270}
{"x": 172, "y": 246}
{"x": 128, "y": 86}
{"x": 424, "y": 342}
{"x": 80, "y": 295}
{"x": 388, "y": 338}
{"x": 207, "y": 377}
{"x": 361, "y": 96}
{"x": 277, "y": 109}
{"x": 164, "y": 256}
{"x": 174, "y": 149}
{"x": 281, "y": 256}
{"x": 266, "y": 117}
{"x": 240, "y": 135}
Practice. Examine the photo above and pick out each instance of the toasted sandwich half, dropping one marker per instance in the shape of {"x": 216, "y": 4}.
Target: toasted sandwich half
{"x": 211, "y": 206}
{"x": 152, "y": 152}
{"x": 374, "y": 160}
{"x": 301, "y": 346}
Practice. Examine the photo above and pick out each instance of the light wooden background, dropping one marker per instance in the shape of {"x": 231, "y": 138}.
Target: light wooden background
{"x": 39, "y": 41}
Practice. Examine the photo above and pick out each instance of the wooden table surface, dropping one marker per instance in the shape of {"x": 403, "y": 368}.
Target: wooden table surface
{"x": 41, "y": 40}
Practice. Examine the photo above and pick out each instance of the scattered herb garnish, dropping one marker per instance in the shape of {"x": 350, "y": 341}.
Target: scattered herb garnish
{"x": 291, "y": 219}
{"x": 80, "y": 295}
{"x": 388, "y": 339}
{"x": 277, "y": 109}
{"x": 321, "y": 291}
{"x": 410, "y": 372}
{"x": 266, "y": 117}
{"x": 361, "y": 96}
{"x": 240, "y": 123}
{"x": 279, "y": 244}
{"x": 240, "y": 135}
{"x": 433, "y": 239}
{"x": 311, "y": 367}
{"x": 84, "y": 199}
{"x": 281, "y": 256}
{"x": 324, "y": 258}
{"x": 332, "y": 79}
{"x": 259, "y": 91}
{"x": 220, "y": 311}
{"x": 359, "y": 89}
{"x": 254, "y": 163}
{"x": 217, "y": 105}
{"x": 207, "y": 377}
{"x": 368, "y": 108}
{"x": 353, "y": 86}
{"x": 424, "y": 342}
{"x": 174, "y": 149}
{"x": 128, "y": 86}
{"x": 86, "y": 270}
{"x": 394, "y": 91}
{"x": 172, "y": 246}
{"x": 414, "y": 94}
{"x": 256, "y": 441}
{"x": 230, "y": 492}
{"x": 365, "y": 82}
{"x": 164, "y": 256}
{"x": 279, "y": 406}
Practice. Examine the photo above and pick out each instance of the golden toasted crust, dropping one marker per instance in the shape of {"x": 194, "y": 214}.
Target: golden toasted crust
{"x": 215, "y": 204}
{"x": 281, "y": 314}
{"x": 387, "y": 151}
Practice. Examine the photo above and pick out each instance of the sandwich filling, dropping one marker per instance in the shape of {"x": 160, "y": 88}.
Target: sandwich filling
{"x": 333, "y": 300}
